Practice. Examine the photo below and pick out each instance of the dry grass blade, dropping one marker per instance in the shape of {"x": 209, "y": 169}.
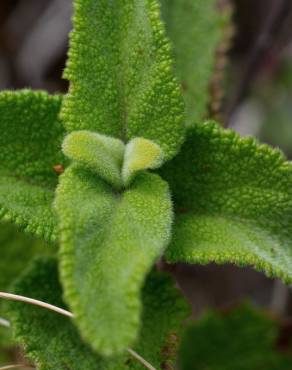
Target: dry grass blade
{"x": 35, "y": 302}
{"x": 17, "y": 366}
{"x": 61, "y": 311}
{"x": 140, "y": 359}
{"x": 4, "y": 323}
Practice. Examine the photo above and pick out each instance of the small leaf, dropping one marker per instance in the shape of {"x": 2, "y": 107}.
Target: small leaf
{"x": 103, "y": 154}
{"x": 195, "y": 27}
{"x": 53, "y": 342}
{"x": 244, "y": 339}
{"x": 140, "y": 154}
{"x": 120, "y": 73}
{"x": 233, "y": 201}
{"x": 31, "y": 137}
{"x": 109, "y": 241}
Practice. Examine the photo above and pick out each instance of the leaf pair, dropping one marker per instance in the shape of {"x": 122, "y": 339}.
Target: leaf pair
{"x": 112, "y": 160}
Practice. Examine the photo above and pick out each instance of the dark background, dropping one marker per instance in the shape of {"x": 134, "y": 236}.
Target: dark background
{"x": 33, "y": 44}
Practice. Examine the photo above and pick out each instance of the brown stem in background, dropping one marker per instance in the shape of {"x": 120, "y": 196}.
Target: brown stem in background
{"x": 270, "y": 31}
{"x": 221, "y": 61}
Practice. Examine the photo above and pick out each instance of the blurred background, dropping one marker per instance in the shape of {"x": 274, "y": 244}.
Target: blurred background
{"x": 258, "y": 102}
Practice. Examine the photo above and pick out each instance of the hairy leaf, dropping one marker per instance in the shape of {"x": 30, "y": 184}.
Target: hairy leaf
{"x": 140, "y": 154}
{"x": 195, "y": 28}
{"x": 30, "y": 141}
{"x": 244, "y": 339}
{"x": 164, "y": 311}
{"x": 120, "y": 72}
{"x": 53, "y": 342}
{"x": 109, "y": 241}
{"x": 233, "y": 201}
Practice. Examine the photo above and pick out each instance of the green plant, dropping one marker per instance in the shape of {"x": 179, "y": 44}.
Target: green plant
{"x": 141, "y": 180}
{"x": 241, "y": 338}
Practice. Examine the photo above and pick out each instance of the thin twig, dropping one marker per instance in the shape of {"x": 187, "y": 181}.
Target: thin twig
{"x": 140, "y": 359}
{"x": 17, "y": 366}
{"x": 61, "y": 311}
{"x": 4, "y": 322}
{"x": 35, "y": 302}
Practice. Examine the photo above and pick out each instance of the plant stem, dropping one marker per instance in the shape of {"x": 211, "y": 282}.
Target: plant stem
{"x": 61, "y": 311}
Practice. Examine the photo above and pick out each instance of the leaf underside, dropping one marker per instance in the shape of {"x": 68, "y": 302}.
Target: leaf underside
{"x": 195, "y": 28}
{"x": 120, "y": 73}
{"x": 30, "y": 148}
{"x": 109, "y": 242}
{"x": 233, "y": 200}
{"x": 52, "y": 341}
{"x": 243, "y": 339}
